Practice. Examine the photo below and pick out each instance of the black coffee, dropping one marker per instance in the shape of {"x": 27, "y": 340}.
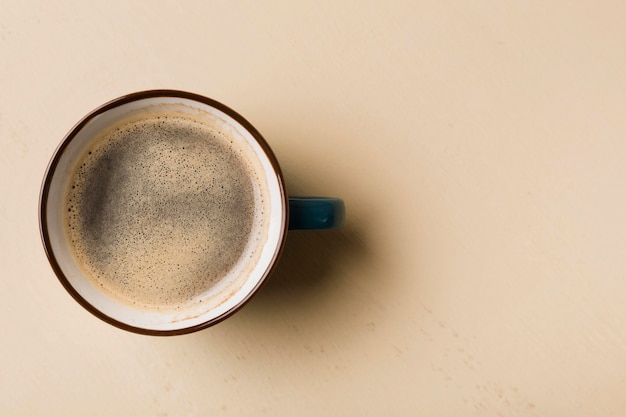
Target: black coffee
{"x": 162, "y": 207}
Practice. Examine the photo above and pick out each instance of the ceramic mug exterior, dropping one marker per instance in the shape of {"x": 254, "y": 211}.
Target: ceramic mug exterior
{"x": 306, "y": 213}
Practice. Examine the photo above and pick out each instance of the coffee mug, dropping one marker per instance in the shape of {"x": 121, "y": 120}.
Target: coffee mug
{"x": 163, "y": 212}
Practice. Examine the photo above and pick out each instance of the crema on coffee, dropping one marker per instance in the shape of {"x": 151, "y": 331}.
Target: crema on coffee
{"x": 163, "y": 207}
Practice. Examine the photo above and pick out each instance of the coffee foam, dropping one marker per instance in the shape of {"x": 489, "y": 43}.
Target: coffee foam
{"x": 165, "y": 211}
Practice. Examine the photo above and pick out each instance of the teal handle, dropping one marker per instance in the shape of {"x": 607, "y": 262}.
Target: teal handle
{"x": 316, "y": 213}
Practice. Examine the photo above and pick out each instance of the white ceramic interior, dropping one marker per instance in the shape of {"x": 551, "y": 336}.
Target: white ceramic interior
{"x": 222, "y": 299}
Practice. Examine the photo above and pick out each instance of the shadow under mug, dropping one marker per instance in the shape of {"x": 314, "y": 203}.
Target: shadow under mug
{"x": 225, "y": 298}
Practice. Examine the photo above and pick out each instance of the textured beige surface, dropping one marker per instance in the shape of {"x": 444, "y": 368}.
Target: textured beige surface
{"x": 481, "y": 151}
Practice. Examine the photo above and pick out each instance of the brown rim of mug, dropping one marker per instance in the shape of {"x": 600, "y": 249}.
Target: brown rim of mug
{"x": 45, "y": 188}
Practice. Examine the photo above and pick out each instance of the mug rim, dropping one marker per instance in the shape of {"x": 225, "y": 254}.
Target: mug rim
{"x": 128, "y": 98}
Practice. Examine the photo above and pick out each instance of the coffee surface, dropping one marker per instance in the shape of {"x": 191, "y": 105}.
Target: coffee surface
{"x": 161, "y": 208}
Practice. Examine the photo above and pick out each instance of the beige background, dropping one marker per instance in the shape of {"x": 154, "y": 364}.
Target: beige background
{"x": 481, "y": 151}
